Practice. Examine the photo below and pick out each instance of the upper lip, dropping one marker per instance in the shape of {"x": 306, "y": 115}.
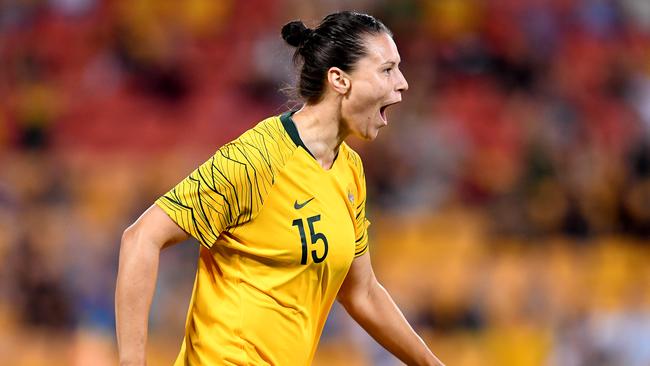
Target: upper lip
{"x": 391, "y": 103}
{"x": 386, "y": 105}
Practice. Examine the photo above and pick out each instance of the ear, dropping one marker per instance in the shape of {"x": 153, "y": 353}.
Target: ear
{"x": 338, "y": 80}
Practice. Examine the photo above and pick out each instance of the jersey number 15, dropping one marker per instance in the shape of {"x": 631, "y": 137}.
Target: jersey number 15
{"x": 313, "y": 236}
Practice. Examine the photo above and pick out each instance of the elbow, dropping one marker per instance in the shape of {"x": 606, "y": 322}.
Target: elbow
{"x": 356, "y": 306}
{"x": 356, "y": 301}
{"x": 350, "y": 305}
{"x": 141, "y": 237}
{"x": 344, "y": 300}
{"x": 136, "y": 246}
{"x": 129, "y": 235}
{"x": 126, "y": 243}
{"x": 345, "y": 297}
{"x": 135, "y": 236}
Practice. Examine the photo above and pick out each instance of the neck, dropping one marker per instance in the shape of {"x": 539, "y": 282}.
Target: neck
{"x": 321, "y": 130}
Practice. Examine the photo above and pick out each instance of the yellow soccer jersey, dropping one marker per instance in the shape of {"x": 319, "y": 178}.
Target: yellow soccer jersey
{"x": 278, "y": 235}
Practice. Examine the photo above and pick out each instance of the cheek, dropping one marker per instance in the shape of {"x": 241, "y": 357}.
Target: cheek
{"x": 366, "y": 95}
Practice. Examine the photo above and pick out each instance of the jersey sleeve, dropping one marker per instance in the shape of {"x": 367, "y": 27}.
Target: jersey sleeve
{"x": 361, "y": 222}
{"x": 219, "y": 194}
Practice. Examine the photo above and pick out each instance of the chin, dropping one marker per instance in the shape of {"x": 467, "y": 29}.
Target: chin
{"x": 371, "y": 134}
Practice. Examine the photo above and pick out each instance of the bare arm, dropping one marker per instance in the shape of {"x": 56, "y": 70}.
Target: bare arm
{"x": 370, "y": 305}
{"x": 136, "y": 279}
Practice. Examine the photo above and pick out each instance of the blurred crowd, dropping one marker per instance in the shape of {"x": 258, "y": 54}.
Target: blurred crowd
{"x": 510, "y": 194}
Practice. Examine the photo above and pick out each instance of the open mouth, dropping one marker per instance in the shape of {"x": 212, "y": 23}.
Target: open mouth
{"x": 382, "y": 110}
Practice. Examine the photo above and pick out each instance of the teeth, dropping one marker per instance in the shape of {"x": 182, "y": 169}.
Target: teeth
{"x": 382, "y": 109}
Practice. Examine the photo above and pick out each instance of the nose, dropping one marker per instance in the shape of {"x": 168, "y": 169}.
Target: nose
{"x": 402, "y": 85}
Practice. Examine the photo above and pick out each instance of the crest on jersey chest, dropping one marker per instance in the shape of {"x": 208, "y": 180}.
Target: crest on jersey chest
{"x": 350, "y": 196}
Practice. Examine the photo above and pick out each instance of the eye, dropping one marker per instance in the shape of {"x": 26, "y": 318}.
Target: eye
{"x": 388, "y": 70}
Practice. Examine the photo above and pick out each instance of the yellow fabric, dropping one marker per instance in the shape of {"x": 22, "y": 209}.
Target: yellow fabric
{"x": 264, "y": 210}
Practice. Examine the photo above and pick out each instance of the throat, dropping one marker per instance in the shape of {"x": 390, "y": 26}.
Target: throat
{"x": 325, "y": 157}
{"x": 321, "y": 134}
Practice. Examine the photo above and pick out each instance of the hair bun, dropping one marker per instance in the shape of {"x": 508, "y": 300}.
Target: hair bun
{"x": 295, "y": 33}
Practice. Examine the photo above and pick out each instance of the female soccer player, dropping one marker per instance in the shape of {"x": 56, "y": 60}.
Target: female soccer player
{"x": 280, "y": 214}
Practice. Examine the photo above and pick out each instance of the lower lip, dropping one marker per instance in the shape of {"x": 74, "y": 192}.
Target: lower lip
{"x": 384, "y": 118}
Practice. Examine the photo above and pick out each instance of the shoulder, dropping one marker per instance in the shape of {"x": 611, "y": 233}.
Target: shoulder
{"x": 261, "y": 146}
{"x": 269, "y": 129}
{"x": 253, "y": 160}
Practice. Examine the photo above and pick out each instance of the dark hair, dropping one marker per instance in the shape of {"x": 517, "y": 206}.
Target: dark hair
{"x": 336, "y": 42}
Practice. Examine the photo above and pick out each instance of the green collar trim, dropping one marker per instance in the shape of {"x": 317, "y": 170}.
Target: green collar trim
{"x": 290, "y": 127}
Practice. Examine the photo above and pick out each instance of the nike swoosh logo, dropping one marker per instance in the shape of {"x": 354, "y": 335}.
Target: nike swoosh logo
{"x": 298, "y": 206}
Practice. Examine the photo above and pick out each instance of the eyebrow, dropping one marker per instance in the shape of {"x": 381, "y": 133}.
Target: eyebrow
{"x": 391, "y": 63}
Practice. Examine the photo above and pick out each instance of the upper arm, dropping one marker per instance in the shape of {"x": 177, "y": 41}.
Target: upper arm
{"x": 223, "y": 192}
{"x": 358, "y": 282}
{"x": 206, "y": 201}
{"x": 157, "y": 227}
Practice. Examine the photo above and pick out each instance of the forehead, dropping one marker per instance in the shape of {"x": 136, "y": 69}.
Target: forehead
{"x": 380, "y": 49}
